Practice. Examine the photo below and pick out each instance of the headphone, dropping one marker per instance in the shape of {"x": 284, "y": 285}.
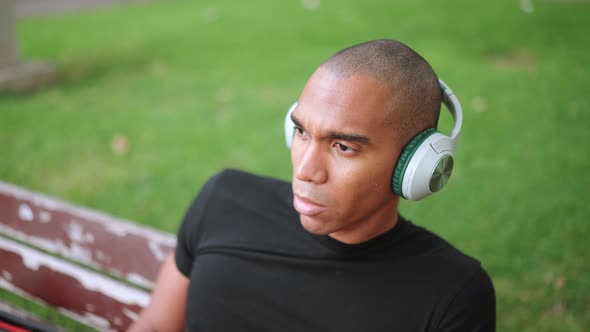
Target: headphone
{"x": 426, "y": 162}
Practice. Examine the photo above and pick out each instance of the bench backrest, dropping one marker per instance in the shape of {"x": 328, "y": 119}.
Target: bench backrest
{"x": 39, "y": 232}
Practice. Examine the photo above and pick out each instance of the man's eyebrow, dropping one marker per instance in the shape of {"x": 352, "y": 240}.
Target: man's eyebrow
{"x": 295, "y": 121}
{"x": 349, "y": 137}
{"x": 338, "y": 135}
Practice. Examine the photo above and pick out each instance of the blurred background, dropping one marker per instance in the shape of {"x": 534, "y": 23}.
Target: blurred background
{"x": 145, "y": 100}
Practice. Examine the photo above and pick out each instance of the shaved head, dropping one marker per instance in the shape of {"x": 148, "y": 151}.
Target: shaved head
{"x": 415, "y": 92}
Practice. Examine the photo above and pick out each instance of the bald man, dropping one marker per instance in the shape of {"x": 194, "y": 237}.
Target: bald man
{"x": 328, "y": 251}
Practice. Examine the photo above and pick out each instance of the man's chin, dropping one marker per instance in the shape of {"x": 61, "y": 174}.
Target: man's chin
{"x": 314, "y": 226}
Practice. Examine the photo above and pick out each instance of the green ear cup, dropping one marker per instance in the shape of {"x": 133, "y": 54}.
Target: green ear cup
{"x": 404, "y": 159}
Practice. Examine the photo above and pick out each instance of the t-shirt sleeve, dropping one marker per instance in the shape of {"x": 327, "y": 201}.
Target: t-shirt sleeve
{"x": 188, "y": 237}
{"x": 473, "y": 308}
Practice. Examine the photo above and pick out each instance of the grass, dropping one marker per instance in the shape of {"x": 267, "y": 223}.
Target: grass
{"x": 194, "y": 87}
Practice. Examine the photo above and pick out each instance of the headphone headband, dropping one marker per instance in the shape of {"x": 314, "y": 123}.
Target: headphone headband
{"x": 450, "y": 143}
{"x": 453, "y": 105}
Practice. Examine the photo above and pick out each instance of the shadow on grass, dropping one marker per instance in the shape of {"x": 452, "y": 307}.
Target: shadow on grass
{"x": 85, "y": 71}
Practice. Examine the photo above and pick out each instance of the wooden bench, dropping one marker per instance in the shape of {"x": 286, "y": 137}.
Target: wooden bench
{"x": 90, "y": 266}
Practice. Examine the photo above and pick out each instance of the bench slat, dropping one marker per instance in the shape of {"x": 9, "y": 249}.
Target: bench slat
{"x": 11, "y": 315}
{"x": 83, "y": 235}
{"x": 85, "y": 295}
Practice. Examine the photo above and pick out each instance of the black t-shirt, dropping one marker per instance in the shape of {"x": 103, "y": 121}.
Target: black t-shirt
{"x": 252, "y": 267}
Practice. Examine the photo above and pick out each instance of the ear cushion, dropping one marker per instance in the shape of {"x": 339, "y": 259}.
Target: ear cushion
{"x": 405, "y": 157}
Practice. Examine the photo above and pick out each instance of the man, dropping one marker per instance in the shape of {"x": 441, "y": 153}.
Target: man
{"x": 329, "y": 251}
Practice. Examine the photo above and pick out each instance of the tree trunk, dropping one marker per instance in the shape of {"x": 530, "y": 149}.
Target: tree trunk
{"x": 8, "y": 47}
{"x": 16, "y": 76}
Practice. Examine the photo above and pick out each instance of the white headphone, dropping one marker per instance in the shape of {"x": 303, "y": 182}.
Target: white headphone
{"x": 426, "y": 162}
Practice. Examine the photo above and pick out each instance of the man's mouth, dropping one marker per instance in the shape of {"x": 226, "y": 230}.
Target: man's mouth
{"x": 306, "y": 206}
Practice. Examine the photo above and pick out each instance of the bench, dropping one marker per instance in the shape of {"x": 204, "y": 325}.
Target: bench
{"x": 92, "y": 267}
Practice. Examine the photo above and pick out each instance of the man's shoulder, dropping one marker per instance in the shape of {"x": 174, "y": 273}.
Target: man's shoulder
{"x": 429, "y": 244}
{"x": 435, "y": 254}
{"x": 233, "y": 192}
{"x": 240, "y": 178}
{"x": 235, "y": 206}
{"x": 461, "y": 280}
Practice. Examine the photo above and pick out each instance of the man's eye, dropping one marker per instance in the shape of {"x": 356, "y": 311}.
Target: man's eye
{"x": 300, "y": 132}
{"x": 342, "y": 147}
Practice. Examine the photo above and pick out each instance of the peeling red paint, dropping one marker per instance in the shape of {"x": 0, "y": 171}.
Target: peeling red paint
{"x": 99, "y": 240}
{"x": 115, "y": 246}
{"x": 69, "y": 288}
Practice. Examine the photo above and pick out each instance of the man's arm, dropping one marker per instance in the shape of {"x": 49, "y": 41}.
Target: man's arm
{"x": 165, "y": 312}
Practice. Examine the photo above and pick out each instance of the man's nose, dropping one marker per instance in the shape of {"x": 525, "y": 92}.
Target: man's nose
{"x": 309, "y": 165}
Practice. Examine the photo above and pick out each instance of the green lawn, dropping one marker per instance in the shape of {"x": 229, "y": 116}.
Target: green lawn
{"x": 196, "y": 86}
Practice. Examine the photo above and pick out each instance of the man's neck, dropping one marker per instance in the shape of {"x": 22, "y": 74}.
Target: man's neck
{"x": 382, "y": 221}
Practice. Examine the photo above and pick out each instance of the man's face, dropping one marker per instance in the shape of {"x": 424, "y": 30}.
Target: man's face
{"x": 343, "y": 155}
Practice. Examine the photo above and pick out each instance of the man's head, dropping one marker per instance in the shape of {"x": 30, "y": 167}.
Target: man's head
{"x": 355, "y": 114}
{"x": 415, "y": 95}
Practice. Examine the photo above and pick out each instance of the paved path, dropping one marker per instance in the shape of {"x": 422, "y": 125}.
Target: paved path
{"x": 41, "y": 7}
